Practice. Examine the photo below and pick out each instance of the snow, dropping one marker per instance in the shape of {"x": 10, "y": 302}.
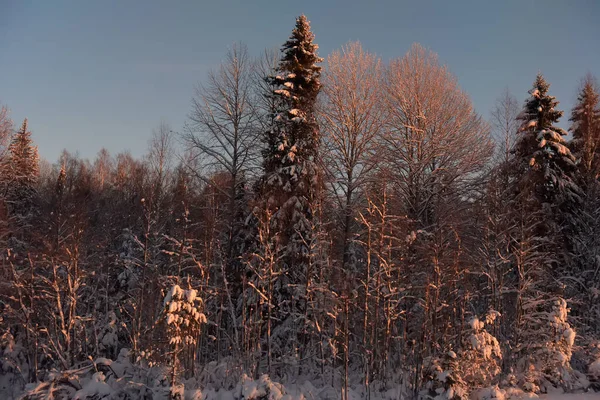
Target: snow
{"x": 103, "y": 361}
{"x": 95, "y": 387}
{"x": 489, "y": 393}
{"x": 594, "y": 369}
{"x": 476, "y": 324}
{"x": 569, "y": 335}
{"x": 89, "y": 384}
{"x": 191, "y": 295}
{"x": 442, "y": 376}
{"x": 183, "y": 315}
{"x": 571, "y": 396}
{"x": 283, "y": 92}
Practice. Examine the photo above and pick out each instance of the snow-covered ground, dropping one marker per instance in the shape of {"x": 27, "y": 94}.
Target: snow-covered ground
{"x": 572, "y": 396}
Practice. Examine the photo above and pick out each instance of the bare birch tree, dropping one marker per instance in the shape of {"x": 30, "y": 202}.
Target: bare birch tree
{"x": 222, "y": 133}
{"x": 435, "y": 138}
{"x": 351, "y": 121}
{"x": 6, "y": 127}
{"x": 504, "y": 124}
{"x": 160, "y": 160}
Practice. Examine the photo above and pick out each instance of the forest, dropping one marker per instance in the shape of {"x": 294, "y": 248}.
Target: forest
{"x": 322, "y": 228}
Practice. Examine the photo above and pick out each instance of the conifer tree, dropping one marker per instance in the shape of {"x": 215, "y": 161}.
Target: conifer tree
{"x": 585, "y": 118}
{"x": 543, "y": 148}
{"x": 290, "y": 172}
{"x": 23, "y": 157}
{"x": 583, "y": 286}
{"x": 290, "y": 182}
{"x": 546, "y": 347}
{"x": 545, "y": 167}
{"x": 21, "y": 172}
{"x": 547, "y": 196}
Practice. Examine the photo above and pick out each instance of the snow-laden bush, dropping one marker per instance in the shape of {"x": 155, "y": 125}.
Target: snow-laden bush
{"x": 476, "y": 364}
{"x": 261, "y": 389}
{"x": 183, "y": 314}
{"x": 13, "y": 365}
{"x": 108, "y": 339}
{"x": 594, "y": 374}
{"x": 444, "y": 381}
{"x": 96, "y": 387}
{"x": 103, "y": 379}
{"x": 489, "y": 393}
{"x": 224, "y": 374}
{"x": 498, "y": 393}
{"x": 546, "y": 348}
{"x": 480, "y": 355}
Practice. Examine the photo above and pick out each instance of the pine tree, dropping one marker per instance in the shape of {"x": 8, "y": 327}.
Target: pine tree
{"x": 585, "y": 118}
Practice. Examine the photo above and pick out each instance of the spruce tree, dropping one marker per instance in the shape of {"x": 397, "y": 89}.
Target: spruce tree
{"x": 23, "y": 158}
{"x": 585, "y": 119}
{"x": 547, "y": 196}
{"x": 290, "y": 180}
{"x": 545, "y": 166}
{"x": 584, "y": 283}
{"x": 20, "y": 173}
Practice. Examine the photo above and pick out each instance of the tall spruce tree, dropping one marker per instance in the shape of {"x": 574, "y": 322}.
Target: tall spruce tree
{"x": 585, "y": 119}
{"x": 290, "y": 183}
{"x": 585, "y": 280}
{"x": 547, "y": 196}
{"x": 290, "y": 180}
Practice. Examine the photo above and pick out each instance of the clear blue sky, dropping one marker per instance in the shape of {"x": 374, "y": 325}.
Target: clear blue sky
{"x": 92, "y": 74}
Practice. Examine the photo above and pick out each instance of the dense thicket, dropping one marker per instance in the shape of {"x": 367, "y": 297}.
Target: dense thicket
{"x": 352, "y": 226}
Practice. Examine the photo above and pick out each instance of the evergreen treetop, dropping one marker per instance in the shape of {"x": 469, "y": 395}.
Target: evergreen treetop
{"x": 542, "y": 149}
{"x": 585, "y": 119}
{"x": 294, "y": 137}
{"x": 22, "y": 162}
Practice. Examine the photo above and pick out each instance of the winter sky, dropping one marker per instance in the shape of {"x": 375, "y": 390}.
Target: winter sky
{"x": 93, "y": 74}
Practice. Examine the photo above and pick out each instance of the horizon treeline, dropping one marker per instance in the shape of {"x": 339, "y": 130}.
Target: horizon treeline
{"x": 354, "y": 225}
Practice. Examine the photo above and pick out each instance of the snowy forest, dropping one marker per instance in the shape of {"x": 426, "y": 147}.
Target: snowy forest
{"x": 322, "y": 228}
